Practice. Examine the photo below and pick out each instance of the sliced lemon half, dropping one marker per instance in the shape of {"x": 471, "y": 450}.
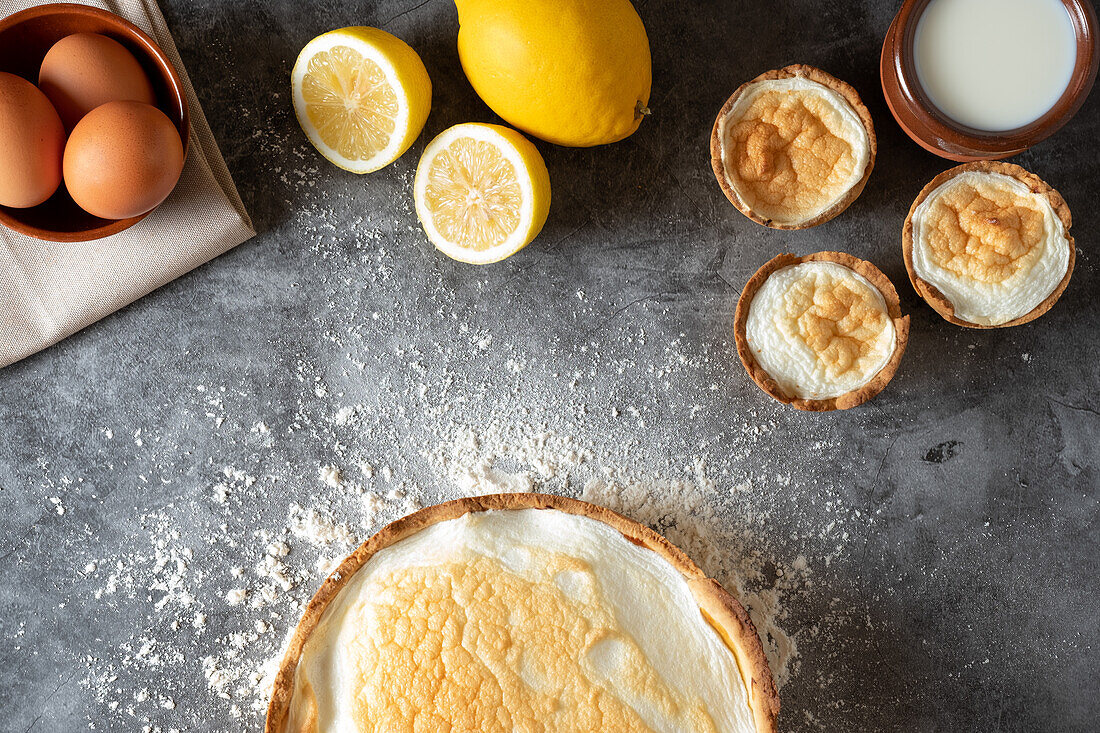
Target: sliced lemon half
{"x": 361, "y": 96}
{"x": 482, "y": 192}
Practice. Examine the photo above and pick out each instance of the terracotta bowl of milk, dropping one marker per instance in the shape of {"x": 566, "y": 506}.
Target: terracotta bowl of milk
{"x": 987, "y": 79}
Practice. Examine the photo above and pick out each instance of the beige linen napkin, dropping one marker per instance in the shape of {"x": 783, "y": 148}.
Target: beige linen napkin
{"x": 49, "y": 291}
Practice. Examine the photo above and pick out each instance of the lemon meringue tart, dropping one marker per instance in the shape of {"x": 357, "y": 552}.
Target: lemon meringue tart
{"x": 793, "y": 148}
{"x": 987, "y": 245}
{"x": 522, "y": 612}
{"x": 821, "y": 332}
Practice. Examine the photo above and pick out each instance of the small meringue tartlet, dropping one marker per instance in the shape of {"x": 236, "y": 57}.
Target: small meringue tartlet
{"x": 987, "y": 245}
{"x": 522, "y": 612}
{"x": 820, "y": 332}
{"x": 793, "y": 148}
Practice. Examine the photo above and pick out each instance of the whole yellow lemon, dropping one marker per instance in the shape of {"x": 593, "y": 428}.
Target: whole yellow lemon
{"x": 571, "y": 72}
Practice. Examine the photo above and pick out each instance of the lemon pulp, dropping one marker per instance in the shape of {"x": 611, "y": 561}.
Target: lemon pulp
{"x": 473, "y": 194}
{"x": 361, "y": 96}
{"x": 350, "y": 102}
{"x": 482, "y": 192}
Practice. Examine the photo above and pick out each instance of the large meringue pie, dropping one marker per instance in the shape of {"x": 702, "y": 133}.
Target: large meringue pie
{"x": 522, "y": 612}
{"x": 793, "y": 148}
{"x": 821, "y": 332}
{"x": 988, "y": 245}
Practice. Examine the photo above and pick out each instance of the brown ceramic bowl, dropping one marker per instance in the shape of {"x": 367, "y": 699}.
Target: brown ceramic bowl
{"x": 25, "y": 37}
{"x": 937, "y": 133}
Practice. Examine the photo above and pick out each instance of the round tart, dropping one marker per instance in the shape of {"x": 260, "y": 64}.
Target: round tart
{"x": 522, "y": 612}
{"x": 793, "y": 148}
{"x": 988, "y": 245}
{"x": 821, "y": 332}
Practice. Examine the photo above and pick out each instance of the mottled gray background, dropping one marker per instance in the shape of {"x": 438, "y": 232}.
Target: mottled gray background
{"x": 961, "y": 594}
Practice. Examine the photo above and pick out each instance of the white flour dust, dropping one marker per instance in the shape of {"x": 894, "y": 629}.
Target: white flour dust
{"x": 267, "y": 592}
{"x": 216, "y": 581}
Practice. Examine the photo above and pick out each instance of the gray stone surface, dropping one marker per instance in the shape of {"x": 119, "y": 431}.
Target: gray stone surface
{"x": 948, "y": 526}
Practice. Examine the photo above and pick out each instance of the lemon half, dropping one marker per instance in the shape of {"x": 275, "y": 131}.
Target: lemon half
{"x": 361, "y": 96}
{"x": 482, "y": 192}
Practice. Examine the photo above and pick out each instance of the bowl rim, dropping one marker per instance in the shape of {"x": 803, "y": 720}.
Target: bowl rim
{"x": 938, "y": 133}
{"x": 177, "y": 92}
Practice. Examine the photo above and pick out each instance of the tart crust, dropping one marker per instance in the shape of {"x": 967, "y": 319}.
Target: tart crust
{"x": 814, "y": 74}
{"x": 849, "y": 399}
{"x": 722, "y": 610}
{"x": 932, "y": 295}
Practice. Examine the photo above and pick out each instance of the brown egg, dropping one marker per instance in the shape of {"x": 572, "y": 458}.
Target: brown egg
{"x": 122, "y": 160}
{"x": 84, "y": 70}
{"x": 31, "y": 144}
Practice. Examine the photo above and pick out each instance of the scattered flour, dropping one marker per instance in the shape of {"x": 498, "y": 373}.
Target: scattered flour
{"x": 221, "y": 579}
{"x": 287, "y": 565}
{"x": 332, "y": 476}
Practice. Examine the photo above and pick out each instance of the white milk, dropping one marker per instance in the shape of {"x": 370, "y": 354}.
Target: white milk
{"x": 995, "y": 64}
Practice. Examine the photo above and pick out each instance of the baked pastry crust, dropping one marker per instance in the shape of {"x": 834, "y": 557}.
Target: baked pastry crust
{"x": 849, "y": 399}
{"x": 814, "y": 74}
{"x": 724, "y": 612}
{"x": 932, "y": 295}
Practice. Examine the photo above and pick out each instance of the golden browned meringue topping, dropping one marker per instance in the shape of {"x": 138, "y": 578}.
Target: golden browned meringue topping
{"x": 793, "y": 149}
{"x": 983, "y": 232}
{"x": 820, "y": 330}
{"x": 428, "y": 648}
{"x": 994, "y": 248}
{"x": 504, "y": 630}
{"x": 840, "y": 324}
